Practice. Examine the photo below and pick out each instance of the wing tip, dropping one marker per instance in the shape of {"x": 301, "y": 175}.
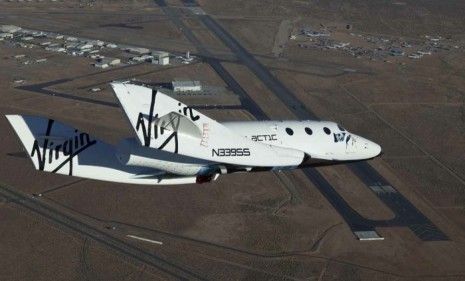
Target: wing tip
{"x": 12, "y": 117}
{"x": 16, "y": 121}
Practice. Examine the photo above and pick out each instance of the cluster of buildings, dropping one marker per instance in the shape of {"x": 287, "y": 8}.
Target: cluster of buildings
{"x": 380, "y": 48}
{"x": 95, "y": 49}
{"x": 146, "y": 55}
{"x": 321, "y": 39}
{"x": 8, "y": 31}
{"x": 400, "y": 48}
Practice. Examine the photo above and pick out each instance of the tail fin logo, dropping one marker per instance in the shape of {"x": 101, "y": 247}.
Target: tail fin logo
{"x": 188, "y": 110}
{"x": 48, "y": 153}
{"x": 152, "y": 128}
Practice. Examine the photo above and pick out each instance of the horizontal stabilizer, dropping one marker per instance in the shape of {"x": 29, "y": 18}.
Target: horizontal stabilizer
{"x": 57, "y": 148}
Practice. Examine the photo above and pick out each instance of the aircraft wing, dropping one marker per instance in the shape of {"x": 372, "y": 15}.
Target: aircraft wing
{"x": 57, "y": 148}
{"x": 164, "y": 123}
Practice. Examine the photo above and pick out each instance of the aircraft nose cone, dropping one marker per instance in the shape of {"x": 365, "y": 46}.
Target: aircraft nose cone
{"x": 365, "y": 149}
{"x": 372, "y": 149}
{"x": 377, "y": 150}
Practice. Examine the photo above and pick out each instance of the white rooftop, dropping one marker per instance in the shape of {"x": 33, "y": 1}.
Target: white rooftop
{"x": 9, "y": 28}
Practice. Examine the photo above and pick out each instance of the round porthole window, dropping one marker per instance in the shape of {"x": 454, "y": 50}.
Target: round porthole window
{"x": 327, "y": 131}
{"x": 308, "y": 131}
{"x": 289, "y": 131}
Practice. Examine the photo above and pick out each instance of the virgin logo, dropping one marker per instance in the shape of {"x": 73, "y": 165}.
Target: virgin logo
{"x": 48, "y": 152}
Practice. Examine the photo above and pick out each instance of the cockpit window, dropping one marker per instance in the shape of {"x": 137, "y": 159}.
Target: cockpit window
{"x": 340, "y": 128}
{"x": 289, "y": 131}
{"x": 308, "y": 131}
{"x": 327, "y": 131}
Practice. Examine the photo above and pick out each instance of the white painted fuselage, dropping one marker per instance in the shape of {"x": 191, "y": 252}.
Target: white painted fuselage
{"x": 176, "y": 144}
{"x": 318, "y": 139}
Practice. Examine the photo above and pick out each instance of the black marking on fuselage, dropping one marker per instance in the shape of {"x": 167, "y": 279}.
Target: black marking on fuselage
{"x": 339, "y": 137}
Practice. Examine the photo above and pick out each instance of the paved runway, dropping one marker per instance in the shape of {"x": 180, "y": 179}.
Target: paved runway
{"x": 406, "y": 213}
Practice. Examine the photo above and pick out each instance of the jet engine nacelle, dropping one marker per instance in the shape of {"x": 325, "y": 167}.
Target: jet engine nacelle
{"x": 131, "y": 152}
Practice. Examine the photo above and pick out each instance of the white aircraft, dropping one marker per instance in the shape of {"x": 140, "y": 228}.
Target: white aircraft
{"x": 176, "y": 144}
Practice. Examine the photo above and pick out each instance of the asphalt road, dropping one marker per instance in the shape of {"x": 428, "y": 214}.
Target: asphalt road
{"x": 406, "y": 213}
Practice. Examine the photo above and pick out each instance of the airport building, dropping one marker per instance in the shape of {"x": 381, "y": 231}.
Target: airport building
{"x": 6, "y": 35}
{"x": 84, "y": 46}
{"x": 105, "y": 62}
{"x": 9, "y": 28}
{"x": 77, "y": 46}
{"x": 97, "y": 43}
{"x": 55, "y": 49}
{"x": 143, "y": 58}
{"x": 102, "y": 65}
{"x": 160, "y": 57}
{"x": 186, "y": 86}
{"x": 110, "y": 61}
{"x": 138, "y": 51}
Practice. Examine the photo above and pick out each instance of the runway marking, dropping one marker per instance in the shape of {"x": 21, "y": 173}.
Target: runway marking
{"x": 378, "y": 189}
{"x": 144, "y": 239}
{"x": 368, "y": 236}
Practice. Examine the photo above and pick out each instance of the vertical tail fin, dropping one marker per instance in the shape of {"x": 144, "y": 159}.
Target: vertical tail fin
{"x": 164, "y": 123}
